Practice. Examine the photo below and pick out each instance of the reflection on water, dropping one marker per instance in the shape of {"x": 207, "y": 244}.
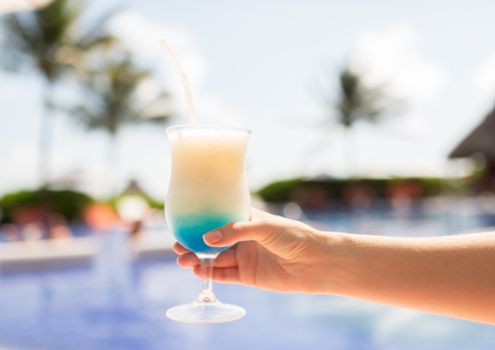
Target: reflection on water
{"x": 119, "y": 303}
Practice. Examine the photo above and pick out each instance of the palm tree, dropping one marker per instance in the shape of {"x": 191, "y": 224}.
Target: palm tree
{"x": 48, "y": 41}
{"x": 358, "y": 102}
{"x": 112, "y": 101}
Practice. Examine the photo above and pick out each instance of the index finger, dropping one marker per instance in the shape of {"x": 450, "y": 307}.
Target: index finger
{"x": 179, "y": 249}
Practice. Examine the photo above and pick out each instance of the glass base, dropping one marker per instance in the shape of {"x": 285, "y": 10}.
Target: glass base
{"x": 198, "y": 312}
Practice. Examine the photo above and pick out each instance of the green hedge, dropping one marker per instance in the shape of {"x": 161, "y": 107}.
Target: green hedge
{"x": 66, "y": 202}
{"x": 282, "y": 191}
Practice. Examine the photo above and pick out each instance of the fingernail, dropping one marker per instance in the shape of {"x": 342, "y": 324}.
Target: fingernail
{"x": 213, "y": 237}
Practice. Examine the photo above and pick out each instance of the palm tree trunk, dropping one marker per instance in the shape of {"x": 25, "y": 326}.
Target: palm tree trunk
{"x": 44, "y": 158}
{"x": 351, "y": 153}
{"x": 112, "y": 164}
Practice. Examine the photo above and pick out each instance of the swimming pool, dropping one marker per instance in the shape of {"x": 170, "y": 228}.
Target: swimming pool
{"x": 119, "y": 303}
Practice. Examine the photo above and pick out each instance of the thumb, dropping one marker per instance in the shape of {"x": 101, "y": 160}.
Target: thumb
{"x": 260, "y": 231}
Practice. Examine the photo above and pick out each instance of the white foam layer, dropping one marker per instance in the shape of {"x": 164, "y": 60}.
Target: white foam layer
{"x": 208, "y": 170}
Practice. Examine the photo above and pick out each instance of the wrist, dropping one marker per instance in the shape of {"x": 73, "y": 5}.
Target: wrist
{"x": 337, "y": 262}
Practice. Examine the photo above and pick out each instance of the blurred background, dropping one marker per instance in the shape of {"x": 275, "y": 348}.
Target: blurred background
{"x": 373, "y": 118}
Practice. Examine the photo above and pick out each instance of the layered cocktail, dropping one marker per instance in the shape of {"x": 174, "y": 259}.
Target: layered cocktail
{"x": 208, "y": 189}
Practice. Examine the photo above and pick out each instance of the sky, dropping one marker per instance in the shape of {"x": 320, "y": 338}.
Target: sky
{"x": 271, "y": 66}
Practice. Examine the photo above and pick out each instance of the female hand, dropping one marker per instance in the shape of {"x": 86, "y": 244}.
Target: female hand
{"x": 268, "y": 252}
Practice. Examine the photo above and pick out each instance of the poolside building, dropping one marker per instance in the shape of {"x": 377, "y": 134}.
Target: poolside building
{"x": 481, "y": 141}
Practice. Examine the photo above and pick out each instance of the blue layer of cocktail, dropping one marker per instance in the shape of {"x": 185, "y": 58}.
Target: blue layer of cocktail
{"x": 189, "y": 230}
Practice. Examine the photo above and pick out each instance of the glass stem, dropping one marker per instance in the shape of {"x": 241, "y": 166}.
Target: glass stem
{"x": 206, "y": 295}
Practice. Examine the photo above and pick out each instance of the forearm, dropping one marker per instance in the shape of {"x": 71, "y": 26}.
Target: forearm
{"x": 453, "y": 275}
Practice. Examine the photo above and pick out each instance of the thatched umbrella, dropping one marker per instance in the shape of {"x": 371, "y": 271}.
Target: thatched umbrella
{"x": 481, "y": 141}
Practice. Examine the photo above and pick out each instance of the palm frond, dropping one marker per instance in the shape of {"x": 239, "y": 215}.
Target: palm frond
{"x": 358, "y": 101}
{"x": 50, "y": 40}
{"x": 56, "y": 21}
{"x": 99, "y": 41}
{"x": 94, "y": 38}
{"x": 157, "y": 119}
{"x": 112, "y": 99}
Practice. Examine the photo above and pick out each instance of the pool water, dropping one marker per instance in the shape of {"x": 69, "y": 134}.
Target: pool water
{"x": 117, "y": 303}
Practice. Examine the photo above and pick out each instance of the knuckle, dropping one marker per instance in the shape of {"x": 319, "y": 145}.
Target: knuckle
{"x": 237, "y": 227}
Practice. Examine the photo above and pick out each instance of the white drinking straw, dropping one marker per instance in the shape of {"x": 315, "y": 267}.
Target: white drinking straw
{"x": 183, "y": 78}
